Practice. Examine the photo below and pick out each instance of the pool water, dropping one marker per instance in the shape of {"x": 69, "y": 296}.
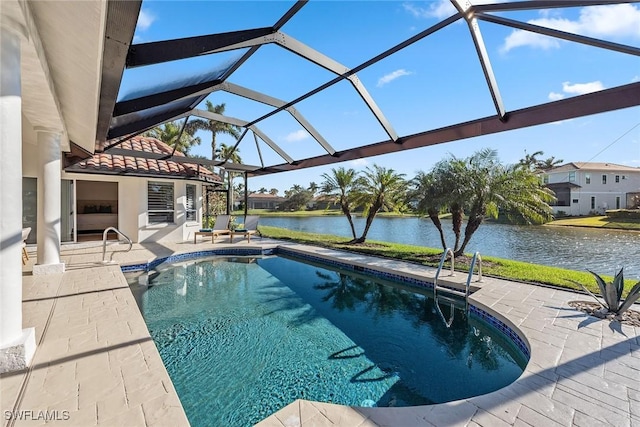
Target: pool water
{"x": 243, "y": 337}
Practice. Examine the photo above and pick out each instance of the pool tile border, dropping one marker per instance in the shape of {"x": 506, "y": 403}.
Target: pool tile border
{"x": 191, "y": 255}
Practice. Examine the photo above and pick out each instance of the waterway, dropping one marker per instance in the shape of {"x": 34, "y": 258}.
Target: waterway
{"x": 601, "y": 250}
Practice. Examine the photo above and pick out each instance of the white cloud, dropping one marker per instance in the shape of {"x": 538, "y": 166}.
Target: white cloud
{"x": 145, "y": 19}
{"x": 298, "y": 135}
{"x": 439, "y": 9}
{"x": 569, "y": 88}
{"x": 635, "y": 79}
{"x": 581, "y": 88}
{"x": 613, "y": 21}
{"x": 525, "y": 38}
{"x": 392, "y": 76}
{"x": 554, "y": 96}
{"x": 359, "y": 162}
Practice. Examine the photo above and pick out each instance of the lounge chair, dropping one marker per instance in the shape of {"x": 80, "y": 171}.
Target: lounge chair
{"x": 250, "y": 227}
{"x": 25, "y": 236}
{"x": 221, "y": 226}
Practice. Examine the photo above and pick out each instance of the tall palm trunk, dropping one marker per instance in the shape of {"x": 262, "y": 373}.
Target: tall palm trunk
{"x": 433, "y": 215}
{"x": 370, "y": 216}
{"x": 472, "y": 225}
{"x": 347, "y": 212}
{"x": 456, "y": 223}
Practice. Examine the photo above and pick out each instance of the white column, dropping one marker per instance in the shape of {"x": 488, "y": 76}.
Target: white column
{"x": 16, "y": 345}
{"x": 49, "y": 196}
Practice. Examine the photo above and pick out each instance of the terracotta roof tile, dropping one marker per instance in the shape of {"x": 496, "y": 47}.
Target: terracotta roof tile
{"x": 142, "y": 166}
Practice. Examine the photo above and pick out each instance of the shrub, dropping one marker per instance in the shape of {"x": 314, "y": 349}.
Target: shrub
{"x": 624, "y": 213}
{"x": 612, "y": 293}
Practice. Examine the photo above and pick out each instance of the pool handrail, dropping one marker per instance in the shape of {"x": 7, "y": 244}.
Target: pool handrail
{"x": 104, "y": 243}
{"x": 476, "y": 258}
{"x": 442, "y": 260}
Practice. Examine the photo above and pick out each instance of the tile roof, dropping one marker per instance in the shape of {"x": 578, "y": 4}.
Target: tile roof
{"x": 593, "y": 166}
{"x": 128, "y": 165}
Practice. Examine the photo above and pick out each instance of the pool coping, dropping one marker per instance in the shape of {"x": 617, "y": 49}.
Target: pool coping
{"x": 582, "y": 371}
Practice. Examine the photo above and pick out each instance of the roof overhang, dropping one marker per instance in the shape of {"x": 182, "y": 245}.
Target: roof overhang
{"x": 559, "y": 185}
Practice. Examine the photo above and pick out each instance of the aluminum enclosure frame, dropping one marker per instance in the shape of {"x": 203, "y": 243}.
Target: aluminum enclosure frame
{"x": 624, "y": 96}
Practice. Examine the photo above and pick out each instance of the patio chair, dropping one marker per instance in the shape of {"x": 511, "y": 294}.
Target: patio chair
{"x": 220, "y": 227}
{"x": 250, "y": 228}
{"x": 25, "y": 236}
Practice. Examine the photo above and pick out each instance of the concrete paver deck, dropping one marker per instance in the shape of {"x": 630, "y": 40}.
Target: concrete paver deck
{"x": 97, "y": 365}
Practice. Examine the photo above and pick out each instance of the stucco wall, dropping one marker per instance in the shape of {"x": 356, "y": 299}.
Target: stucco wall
{"x": 132, "y": 208}
{"x": 605, "y": 194}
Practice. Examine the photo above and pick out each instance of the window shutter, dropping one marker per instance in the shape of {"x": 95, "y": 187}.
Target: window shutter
{"x": 190, "y": 203}
{"x": 160, "y": 202}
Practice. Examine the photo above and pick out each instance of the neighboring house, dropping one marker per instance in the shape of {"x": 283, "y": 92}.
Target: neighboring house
{"x": 587, "y": 188}
{"x": 146, "y": 199}
{"x": 322, "y": 202}
{"x": 264, "y": 201}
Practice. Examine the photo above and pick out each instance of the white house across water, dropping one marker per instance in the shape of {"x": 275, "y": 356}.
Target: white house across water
{"x": 584, "y": 188}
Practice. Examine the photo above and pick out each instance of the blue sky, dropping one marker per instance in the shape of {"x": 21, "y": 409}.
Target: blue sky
{"x": 433, "y": 83}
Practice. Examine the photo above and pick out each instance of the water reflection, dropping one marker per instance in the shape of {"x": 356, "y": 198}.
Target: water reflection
{"x": 603, "y": 251}
{"x": 450, "y": 325}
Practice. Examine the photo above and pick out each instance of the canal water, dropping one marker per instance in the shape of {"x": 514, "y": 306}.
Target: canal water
{"x": 603, "y": 251}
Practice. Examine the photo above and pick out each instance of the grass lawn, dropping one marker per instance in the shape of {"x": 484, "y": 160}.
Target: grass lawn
{"x": 599, "y": 222}
{"x": 498, "y": 267}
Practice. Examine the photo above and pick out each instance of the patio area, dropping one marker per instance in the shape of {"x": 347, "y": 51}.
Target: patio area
{"x": 96, "y": 364}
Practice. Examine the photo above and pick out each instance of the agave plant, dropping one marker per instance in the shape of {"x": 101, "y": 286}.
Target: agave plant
{"x": 612, "y": 293}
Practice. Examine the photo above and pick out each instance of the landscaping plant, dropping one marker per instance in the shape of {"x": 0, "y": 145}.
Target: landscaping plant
{"x": 612, "y": 293}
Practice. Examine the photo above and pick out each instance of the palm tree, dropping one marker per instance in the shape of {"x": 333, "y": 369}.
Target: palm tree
{"x": 530, "y": 161}
{"x": 378, "y": 189}
{"x": 429, "y": 195}
{"x": 229, "y": 155}
{"x": 273, "y": 191}
{"x": 491, "y": 187}
{"x": 548, "y": 163}
{"x": 170, "y": 134}
{"x": 337, "y": 188}
{"x": 451, "y": 182}
{"x": 313, "y": 188}
{"x": 214, "y": 126}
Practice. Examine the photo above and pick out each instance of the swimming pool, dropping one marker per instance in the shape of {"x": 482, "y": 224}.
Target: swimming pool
{"x": 243, "y": 337}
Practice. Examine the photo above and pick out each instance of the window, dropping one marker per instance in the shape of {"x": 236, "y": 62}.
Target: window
{"x": 593, "y": 202}
{"x": 545, "y": 179}
{"x": 617, "y": 202}
{"x": 587, "y": 179}
{"x": 572, "y": 177}
{"x": 604, "y": 179}
{"x": 160, "y": 202}
{"x": 575, "y": 201}
{"x": 617, "y": 178}
{"x": 190, "y": 203}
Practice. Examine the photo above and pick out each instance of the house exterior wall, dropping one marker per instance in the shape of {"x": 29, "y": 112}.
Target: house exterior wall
{"x": 606, "y": 195}
{"x": 132, "y": 203}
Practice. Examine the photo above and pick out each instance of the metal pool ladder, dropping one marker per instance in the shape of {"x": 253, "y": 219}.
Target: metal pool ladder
{"x": 104, "y": 244}
{"x": 476, "y": 259}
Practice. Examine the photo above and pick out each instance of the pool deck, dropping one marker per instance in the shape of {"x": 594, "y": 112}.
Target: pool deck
{"x": 96, "y": 364}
